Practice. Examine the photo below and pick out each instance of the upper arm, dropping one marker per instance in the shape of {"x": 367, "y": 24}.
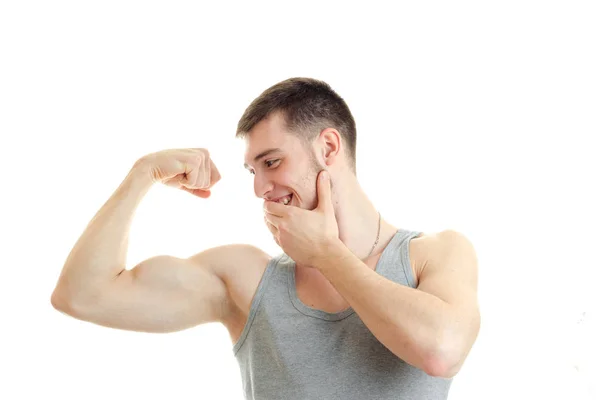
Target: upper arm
{"x": 166, "y": 293}
{"x": 450, "y": 272}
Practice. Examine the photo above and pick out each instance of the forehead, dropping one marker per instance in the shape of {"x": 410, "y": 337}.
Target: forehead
{"x": 271, "y": 135}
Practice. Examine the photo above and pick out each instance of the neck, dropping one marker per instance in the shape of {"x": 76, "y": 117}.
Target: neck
{"x": 358, "y": 220}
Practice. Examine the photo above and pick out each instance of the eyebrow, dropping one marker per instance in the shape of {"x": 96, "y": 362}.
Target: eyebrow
{"x": 263, "y": 154}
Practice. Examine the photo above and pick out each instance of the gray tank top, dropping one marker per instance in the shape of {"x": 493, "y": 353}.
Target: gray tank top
{"x": 290, "y": 351}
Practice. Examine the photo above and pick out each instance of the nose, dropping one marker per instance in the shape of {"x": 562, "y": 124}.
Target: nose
{"x": 262, "y": 185}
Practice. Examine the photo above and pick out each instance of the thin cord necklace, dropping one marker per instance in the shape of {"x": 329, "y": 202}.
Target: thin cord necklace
{"x": 378, "y": 231}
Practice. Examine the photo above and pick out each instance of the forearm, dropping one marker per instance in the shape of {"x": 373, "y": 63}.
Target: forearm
{"x": 101, "y": 251}
{"x": 409, "y": 322}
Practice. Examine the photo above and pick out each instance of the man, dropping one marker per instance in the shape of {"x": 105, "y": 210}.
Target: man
{"x": 353, "y": 308}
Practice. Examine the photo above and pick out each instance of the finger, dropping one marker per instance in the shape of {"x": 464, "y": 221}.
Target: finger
{"x": 271, "y": 226}
{"x": 324, "y": 191}
{"x": 215, "y": 176}
{"x": 273, "y": 229}
{"x": 275, "y": 209}
{"x": 189, "y": 178}
{"x": 205, "y": 194}
{"x": 206, "y": 169}
{"x": 272, "y": 220}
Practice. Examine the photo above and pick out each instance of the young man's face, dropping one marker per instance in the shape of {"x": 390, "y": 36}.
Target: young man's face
{"x": 289, "y": 170}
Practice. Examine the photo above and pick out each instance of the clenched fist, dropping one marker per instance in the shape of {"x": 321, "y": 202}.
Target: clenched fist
{"x": 191, "y": 170}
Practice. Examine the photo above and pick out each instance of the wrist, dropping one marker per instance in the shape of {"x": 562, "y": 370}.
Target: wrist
{"x": 334, "y": 252}
{"x": 141, "y": 174}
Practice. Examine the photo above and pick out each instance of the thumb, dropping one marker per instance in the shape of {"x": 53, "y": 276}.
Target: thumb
{"x": 324, "y": 191}
{"x": 203, "y": 193}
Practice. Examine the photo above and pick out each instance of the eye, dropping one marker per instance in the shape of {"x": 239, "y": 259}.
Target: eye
{"x": 269, "y": 163}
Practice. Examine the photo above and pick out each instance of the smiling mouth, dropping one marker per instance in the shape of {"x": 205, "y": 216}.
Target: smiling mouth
{"x": 287, "y": 199}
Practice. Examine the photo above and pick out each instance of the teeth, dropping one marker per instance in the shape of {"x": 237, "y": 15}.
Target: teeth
{"x": 285, "y": 200}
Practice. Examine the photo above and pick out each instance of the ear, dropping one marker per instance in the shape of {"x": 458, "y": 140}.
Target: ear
{"x": 330, "y": 141}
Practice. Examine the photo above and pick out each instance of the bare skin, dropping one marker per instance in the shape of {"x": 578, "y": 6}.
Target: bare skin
{"x": 166, "y": 294}
{"x": 314, "y": 291}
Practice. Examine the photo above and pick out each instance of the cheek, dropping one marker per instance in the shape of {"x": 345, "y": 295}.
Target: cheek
{"x": 286, "y": 179}
{"x": 288, "y": 182}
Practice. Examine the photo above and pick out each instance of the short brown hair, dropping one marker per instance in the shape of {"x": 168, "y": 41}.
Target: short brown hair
{"x": 308, "y": 106}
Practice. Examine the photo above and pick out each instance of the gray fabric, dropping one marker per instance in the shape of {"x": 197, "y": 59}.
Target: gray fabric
{"x": 290, "y": 351}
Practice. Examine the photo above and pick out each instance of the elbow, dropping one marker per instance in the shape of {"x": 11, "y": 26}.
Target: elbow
{"x": 453, "y": 351}
{"x": 71, "y": 299}
{"x": 438, "y": 367}
{"x": 59, "y": 301}
{"x": 445, "y": 361}
{"x": 441, "y": 368}
{"x": 69, "y": 307}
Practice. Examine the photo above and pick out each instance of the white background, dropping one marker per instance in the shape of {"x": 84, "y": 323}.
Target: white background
{"x": 472, "y": 116}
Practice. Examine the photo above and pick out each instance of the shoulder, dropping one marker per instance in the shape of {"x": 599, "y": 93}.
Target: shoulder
{"x": 432, "y": 250}
{"x": 446, "y": 258}
{"x": 241, "y": 268}
{"x": 448, "y": 243}
{"x": 441, "y": 240}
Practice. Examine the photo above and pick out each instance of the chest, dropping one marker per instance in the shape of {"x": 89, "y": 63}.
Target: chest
{"x": 316, "y": 291}
{"x": 312, "y": 289}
